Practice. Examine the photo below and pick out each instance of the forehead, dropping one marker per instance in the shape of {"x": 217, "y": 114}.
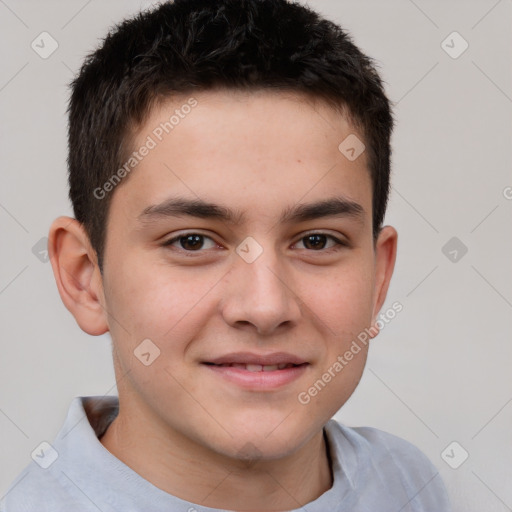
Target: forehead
{"x": 246, "y": 148}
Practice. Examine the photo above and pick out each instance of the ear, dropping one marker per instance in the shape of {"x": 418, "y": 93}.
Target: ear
{"x": 385, "y": 256}
{"x": 77, "y": 274}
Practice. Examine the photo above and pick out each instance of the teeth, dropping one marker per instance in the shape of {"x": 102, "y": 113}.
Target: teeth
{"x": 254, "y": 367}
{"x": 259, "y": 367}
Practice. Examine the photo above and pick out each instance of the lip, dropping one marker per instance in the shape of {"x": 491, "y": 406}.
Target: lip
{"x": 259, "y": 381}
{"x": 262, "y": 359}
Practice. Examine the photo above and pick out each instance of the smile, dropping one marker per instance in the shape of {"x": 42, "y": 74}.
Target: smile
{"x": 257, "y": 377}
{"x": 257, "y": 367}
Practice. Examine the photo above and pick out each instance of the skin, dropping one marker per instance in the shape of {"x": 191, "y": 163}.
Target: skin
{"x": 181, "y": 426}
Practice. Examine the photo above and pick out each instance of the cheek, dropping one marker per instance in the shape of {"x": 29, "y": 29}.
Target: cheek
{"x": 341, "y": 299}
{"x": 154, "y": 301}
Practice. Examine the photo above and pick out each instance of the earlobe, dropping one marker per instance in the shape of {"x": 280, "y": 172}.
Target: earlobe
{"x": 385, "y": 257}
{"x": 77, "y": 274}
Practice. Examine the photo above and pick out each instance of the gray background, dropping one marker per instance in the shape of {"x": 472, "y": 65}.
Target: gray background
{"x": 440, "y": 371}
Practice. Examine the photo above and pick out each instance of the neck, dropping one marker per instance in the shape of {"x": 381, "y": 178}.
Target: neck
{"x": 192, "y": 472}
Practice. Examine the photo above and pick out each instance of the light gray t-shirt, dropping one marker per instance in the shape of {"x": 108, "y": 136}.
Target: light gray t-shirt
{"x": 373, "y": 472}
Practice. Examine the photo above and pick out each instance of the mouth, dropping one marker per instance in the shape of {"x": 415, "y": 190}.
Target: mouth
{"x": 257, "y": 367}
{"x": 258, "y": 372}
{"x": 278, "y": 359}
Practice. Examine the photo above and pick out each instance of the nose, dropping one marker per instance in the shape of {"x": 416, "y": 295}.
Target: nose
{"x": 259, "y": 296}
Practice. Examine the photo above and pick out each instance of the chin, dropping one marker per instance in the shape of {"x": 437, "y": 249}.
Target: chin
{"x": 268, "y": 439}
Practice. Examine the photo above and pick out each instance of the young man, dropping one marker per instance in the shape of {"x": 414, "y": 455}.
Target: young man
{"x": 229, "y": 171}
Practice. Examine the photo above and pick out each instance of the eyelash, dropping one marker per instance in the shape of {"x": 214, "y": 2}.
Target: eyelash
{"x": 338, "y": 243}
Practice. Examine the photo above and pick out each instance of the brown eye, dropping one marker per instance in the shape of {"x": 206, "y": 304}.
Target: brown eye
{"x": 319, "y": 241}
{"x": 191, "y": 242}
{"x": 315, "y": 241}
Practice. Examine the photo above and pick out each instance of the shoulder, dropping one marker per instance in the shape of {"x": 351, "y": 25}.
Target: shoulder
{"x": 63, "y": 482}
{"x": 399, "y": 466}
{"x": 386, "y": 447}
{"x": 39, "y": 490}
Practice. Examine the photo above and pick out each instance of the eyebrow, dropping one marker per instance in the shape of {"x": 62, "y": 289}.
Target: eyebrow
{"x": 177, "y": 207}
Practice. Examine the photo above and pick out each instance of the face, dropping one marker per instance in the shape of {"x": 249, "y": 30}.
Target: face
{"x": 241, "y": 247}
